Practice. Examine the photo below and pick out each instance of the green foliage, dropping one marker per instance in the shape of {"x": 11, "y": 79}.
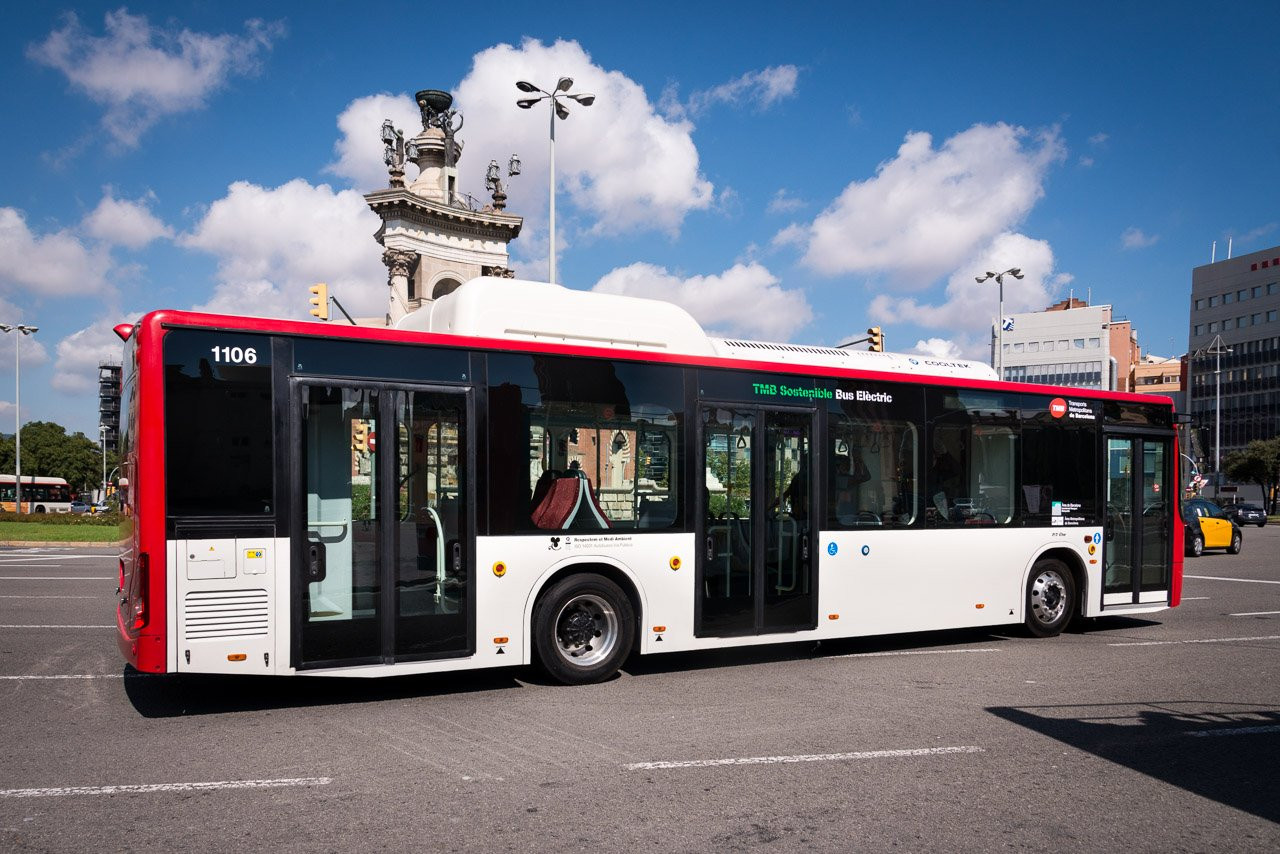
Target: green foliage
{"x": 66, "y": 520}
{"x": 45, "y": 528}
{"x": 1258, "y": 462}
{"x": 47, "y": 451}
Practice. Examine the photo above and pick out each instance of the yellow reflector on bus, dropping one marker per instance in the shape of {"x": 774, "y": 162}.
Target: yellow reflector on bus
{"x": 499, "y": 569}
{"x": 238, "y": 656}
{"x": 674, "y": 562}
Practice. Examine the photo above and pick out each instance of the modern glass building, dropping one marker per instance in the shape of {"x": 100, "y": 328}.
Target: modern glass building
{"x": 1234, "y": 352}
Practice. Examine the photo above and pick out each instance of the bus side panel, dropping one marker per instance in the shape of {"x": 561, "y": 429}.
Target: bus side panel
{"x": 144, "y": 565}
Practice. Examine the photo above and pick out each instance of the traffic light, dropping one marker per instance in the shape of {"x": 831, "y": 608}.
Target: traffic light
{"x": 875, "y": 340}
{"x": 320, "y": 301}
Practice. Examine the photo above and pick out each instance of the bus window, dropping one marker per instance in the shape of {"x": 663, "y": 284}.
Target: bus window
{"x": 583, "y": 445}
{"x": 871, "y": 469}
{"x": 973, "y": 461}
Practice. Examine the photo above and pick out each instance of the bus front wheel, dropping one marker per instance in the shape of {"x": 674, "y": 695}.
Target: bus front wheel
{"x": 583, "y": 628}
{"x": 1051, "y": 597}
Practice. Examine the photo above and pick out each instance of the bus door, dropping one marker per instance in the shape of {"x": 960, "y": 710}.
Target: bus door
{"x": 384, "y": 567}
{"x": 1137, "y": 553}
{"x": 758, "y": 530}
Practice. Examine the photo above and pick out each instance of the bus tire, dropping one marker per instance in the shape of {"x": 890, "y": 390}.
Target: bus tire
{"x": 583, "y": 629}
{"x": 1051, "y": 598}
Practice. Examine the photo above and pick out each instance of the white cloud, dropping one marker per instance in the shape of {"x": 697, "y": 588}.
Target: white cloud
{"x": 141, "y": 74}
{"x": 928, "y": 210}
{"x": 359, "y": 149}
{"x": 76, "y": 369}
{"x": 782, "y": 202}
{"x": 274, "y": 243}
{"x": 621, "y": 165}
{"x": 125, "y": 223}
{"x": 1136, "y": 238}
{"x": 969, "y": 309}
{"x": 56, "y": 264}
{"x": 940, "y": 348}
{"x": 759, "y": 89}
{"x": 745, "y": 300}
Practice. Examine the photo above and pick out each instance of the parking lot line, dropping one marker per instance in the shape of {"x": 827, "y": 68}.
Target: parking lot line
{"x": 913, "y": 652}
{"x": 54, "y": 627}
{"x": 1205, "y": 640}
{"x": 1253, "y": 613}
{"x": 1221, "y": 578}
{"x": 56, "y": 578}
{"x": 50, "y": 597}
{"x": 146, "y": 788}
{"x": 809, "y": 757}
{"x": 1240, "y": 730}
{"x": 38, "y": 678}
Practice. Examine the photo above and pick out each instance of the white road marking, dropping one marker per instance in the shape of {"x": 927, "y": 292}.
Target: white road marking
{"x": 50, "y": 597}
{"x": 1190, "y": 598}
{"x": 1253, "y": 613}
{"x": 1240, "y": 730}
{"x": 1221, "y": 578}
{"x": 912, "y": 652}
{"x": 812, "y": 757}
{"x": 54, "y": 627}
{"x": 34, "y": 678}
{"x": 145, "y": 788}
{"x": 56, "y": 578}
{"x": 1206, "y": 640}
{"x": 10, "y": 556}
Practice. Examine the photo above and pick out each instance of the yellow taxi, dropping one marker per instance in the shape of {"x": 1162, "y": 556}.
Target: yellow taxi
{"x": 1206, "y": 526}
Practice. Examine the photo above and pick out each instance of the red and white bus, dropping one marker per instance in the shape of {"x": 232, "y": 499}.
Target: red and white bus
{"x": 39, "y": 494}
{"x": 522, "y": 472}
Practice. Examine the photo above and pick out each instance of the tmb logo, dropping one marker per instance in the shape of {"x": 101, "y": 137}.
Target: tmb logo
{"x": 1057, "y": 407}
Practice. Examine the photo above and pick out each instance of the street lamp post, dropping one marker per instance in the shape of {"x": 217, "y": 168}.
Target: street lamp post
{"x": 1215, "y": 347}
{"x": 997, "y": 360}
{"x": 24, "y": 329}
{"x": 102, "y": 431}
{"x": 558, "y": 110}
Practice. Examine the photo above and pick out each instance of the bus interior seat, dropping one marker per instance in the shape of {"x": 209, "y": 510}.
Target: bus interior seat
{"x": 560, "y": 502}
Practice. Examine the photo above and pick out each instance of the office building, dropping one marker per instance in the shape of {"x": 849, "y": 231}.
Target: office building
{"x": 1234, "y": 349}
{"x": 1070, "y": 343}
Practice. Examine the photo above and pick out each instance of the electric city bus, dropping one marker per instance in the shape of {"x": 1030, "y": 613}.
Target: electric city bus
{"x": 523, "y": 473}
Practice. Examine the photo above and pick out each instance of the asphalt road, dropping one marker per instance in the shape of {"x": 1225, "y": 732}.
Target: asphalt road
{"x": 1159, "y": 734}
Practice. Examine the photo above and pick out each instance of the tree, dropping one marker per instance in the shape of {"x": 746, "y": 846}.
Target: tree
{"x": 1258, "y": 462}
{"x": 47, "y": 451}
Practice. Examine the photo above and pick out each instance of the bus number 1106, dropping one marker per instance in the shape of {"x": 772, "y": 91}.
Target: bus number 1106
{"x": 236, "y": 355}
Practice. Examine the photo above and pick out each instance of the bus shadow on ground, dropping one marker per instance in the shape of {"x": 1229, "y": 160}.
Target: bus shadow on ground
{"x": 1227, "y": 752}
{"x": 946, "y": 640}
{"x": 177, "y": 694}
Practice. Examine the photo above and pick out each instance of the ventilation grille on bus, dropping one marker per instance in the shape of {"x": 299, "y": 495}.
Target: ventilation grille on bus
{"x": 789, "y": 348}
{"x": 225, "y": 614}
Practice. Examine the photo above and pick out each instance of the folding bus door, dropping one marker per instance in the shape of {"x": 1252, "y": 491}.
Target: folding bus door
{"x": 1139, "y": 496}
{"x": 384, "y": 571}
{"x": 756, "y": 567}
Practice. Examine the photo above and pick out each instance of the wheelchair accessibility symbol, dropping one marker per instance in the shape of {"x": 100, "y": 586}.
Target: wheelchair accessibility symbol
{"x": 832, "y": 548}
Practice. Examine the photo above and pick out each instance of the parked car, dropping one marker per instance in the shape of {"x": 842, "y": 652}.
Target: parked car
{"x": 79, "y": 506}
{"x": 1206, "y": 526}
{"x": 1247, "y": 514}
{"x": 100, "y": 507}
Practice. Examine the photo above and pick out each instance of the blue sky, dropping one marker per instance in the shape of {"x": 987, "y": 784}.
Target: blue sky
{"x": 793, "y": 172}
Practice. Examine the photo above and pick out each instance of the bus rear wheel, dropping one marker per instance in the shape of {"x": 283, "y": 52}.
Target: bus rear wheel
{"x": 583, "y": 629}
{"x": 1051, "y": 598}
